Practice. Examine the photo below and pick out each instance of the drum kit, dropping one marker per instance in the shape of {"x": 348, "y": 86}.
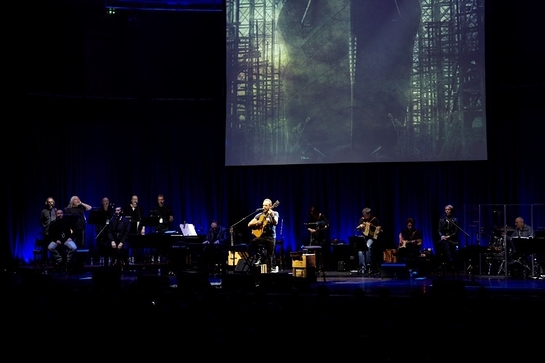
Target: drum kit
{"x": 497, "y": 242}
{"x": 514, "y": 261}
{"x": 495, "y": 253}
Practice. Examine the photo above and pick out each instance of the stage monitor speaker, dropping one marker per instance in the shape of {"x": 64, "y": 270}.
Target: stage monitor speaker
{"x": 192, "y": 281}
{"x": 244, "y": 265}
{"x": 35, "y": 279}
{"x": 397, "y": 271}
{"x": 107, "y": 279}
{"x": 276, "y": 282}
{"x": 152, "y": 282}
{"x": 79, "y": 260}
{"x": 238, "y": 282}
{"x": 451, "y": 289}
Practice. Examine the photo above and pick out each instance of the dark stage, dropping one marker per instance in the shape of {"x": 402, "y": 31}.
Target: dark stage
{"x": 394, "y": 279}
{"x": 154, "y": 309}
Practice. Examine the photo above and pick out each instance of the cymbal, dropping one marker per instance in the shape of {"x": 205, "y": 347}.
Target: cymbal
{"x": 508, "y": 229}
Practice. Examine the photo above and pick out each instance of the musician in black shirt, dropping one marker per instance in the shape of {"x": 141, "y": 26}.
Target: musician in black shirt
{"x": 164, "y": 213}
{"x": 214, "y": 251}
{"x": 101, "y": 218}
{"x": 166, "y": 217}
{"x": 77, "y": 208}
{"x": 118, "y": 234}
{"x": 60, "y": 233}
{"x": 410, "y": 243}
{"x": 447, "y": 244}
{"x": 134, "y": 212}
{"x": 263, "y": 227}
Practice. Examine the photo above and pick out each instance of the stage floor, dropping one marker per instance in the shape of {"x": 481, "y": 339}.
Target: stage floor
{"x": 339, "y": 283}
{"x": 150, "y": 307}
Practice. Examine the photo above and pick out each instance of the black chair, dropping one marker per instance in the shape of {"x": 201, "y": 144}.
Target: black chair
{"x": 40, "y": 254}
{"x": 239, "y": 257}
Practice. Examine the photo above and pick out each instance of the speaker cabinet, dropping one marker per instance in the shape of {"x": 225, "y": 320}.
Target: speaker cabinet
{"x": 397, "y": 271}
{"x": 192, "y": 281}
{"x": 108, "y": 279}
{"x": 238, "y": 282}
{"x": 152, "y": 282}
{"x": 450, "y": 289}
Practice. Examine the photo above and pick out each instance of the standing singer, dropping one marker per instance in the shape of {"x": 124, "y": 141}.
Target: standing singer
{"x": 134, "y": 212}
{"x": 448, "y": 233}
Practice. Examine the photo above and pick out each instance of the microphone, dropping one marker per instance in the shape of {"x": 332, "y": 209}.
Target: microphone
{"x": 259, "y": 209}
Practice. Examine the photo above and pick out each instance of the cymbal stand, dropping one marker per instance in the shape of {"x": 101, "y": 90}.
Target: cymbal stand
{"x": 469, "y": 269}
{"x": 503, "y": 265}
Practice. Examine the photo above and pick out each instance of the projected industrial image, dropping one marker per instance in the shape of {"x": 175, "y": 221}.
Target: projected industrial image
{"x": 354, "y": 81}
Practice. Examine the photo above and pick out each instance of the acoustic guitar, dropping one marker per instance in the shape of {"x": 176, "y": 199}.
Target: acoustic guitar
{"x": 263, "y": 222}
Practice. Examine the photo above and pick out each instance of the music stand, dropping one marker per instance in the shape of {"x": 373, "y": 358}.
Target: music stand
{"x": 359, "y": 243}
{"x": 95, "y": 217}
{"x": 150, "y": 221}
{"x": 526, "y": 246}
{"x": 71, "y": 219}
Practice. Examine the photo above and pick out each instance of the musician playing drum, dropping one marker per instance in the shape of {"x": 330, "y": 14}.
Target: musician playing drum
{"x": 263, "y": 227}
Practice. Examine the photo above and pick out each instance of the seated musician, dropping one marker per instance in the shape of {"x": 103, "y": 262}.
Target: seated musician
{"x": 214, "y": 252}
{"x": 410, "y": 243}
{"x": 369, "y": 225}
{"x": 263, "y": 227}
{"x": 523, "y": 231}
{"x": 60, "y": 233}
{"x": 118, "y": 234}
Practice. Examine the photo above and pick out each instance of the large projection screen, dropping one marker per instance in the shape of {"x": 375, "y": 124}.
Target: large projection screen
{"x": 352, "y": 81}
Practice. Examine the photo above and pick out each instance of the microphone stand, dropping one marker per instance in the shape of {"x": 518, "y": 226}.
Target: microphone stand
{"x": 233, "y": 252}
{"x": 103, "y": 228}
{"x": 470, "y": 267}
{"x": 231, "y": 229}
{"x": 457, "y": 226}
